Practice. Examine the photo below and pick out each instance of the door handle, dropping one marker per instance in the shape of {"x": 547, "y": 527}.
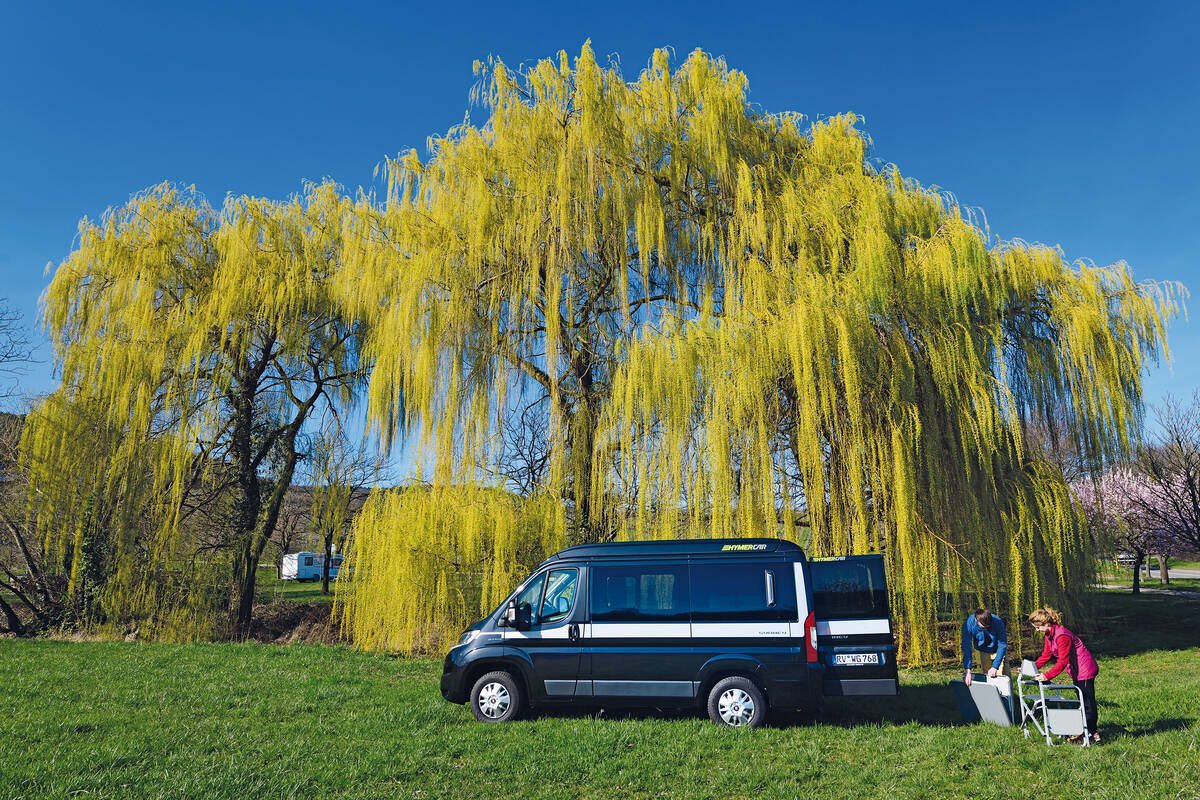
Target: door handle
{"x": 573, "y": 632}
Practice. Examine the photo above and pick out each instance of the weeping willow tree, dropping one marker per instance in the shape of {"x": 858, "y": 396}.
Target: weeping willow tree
{"x": 206, "y": 339}
{"x": 739, "y": 327}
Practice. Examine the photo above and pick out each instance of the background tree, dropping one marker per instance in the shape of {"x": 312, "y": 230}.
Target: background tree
{"x": 214, "y": 334}
{"x": 295, "y": 521}
{"x": 18, "y": 562}
{"x": 20, "y": 558}
{"x": 522, "y": 453}
{"x": 711, "y": 299}
{"x": 343, "y": 474}
{"x": 16, "y": 350}
{"x": 1169, "y": 469}
{"x": 64, "y": 579}
{"x": 1119, "y": 510}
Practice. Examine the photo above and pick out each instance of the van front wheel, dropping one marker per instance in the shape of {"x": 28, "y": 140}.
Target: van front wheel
{"x": 496, "y": 697}
{"x": 737, "y": 702}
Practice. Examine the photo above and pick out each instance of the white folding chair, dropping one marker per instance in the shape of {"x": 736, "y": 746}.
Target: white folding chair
{"x": 1055, "y": 710}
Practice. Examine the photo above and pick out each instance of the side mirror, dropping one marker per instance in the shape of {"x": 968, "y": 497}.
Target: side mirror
{"x": 524, "y": 617}
{"x": 509, "y": 618}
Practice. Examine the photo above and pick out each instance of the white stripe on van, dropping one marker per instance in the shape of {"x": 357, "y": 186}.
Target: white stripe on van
{"x": 560, "y": 631}
{"x": 739, "y": 630}
{"x": 844, "y": 627}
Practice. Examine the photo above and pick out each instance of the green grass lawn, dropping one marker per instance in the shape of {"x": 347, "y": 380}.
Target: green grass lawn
{"x": 269, "y": 589}
{"x": 206, "y": 721}
{"x": 1123, "y": 576}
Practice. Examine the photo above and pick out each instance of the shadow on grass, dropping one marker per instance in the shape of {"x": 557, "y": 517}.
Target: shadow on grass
{"x": 1125, "y": 625}
{"x": 1120, "y": 625}
{"x": 924, "y": 705}
{"x": 929, "y": 705}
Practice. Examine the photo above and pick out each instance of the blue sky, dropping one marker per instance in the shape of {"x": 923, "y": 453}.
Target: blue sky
{"x": 1071, "y": 125}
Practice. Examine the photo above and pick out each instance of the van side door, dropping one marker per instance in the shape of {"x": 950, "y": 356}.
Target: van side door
{"x": 638, "y": 640}
{"x": 551, "y": 646}
{"x": 854, "y": 630}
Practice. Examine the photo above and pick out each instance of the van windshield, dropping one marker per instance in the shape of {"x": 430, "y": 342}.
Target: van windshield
{"x": 850, "y": 588}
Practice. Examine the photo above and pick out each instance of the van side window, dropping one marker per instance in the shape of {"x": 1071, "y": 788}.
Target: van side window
{"x": 308, "y": 561}
{"x": 739, "y": 592}
{"x": 849, "y": 589}
{"x": 560, "y": 595}
{"x": 531, "y": 596}
{"x": 641, "y": 593}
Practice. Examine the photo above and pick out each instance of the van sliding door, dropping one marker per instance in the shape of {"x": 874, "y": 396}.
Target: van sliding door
{"x": 854, "y": 630}
{"x": 638, "y": 641}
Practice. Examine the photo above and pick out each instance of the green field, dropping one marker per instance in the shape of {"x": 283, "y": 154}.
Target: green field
{"x": 268, "y": 589}
{"x": 124, "y": 720}
{"x": 1115, "y": 575}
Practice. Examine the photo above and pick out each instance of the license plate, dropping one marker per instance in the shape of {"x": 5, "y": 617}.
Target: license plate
{"x": 854, "y": 659}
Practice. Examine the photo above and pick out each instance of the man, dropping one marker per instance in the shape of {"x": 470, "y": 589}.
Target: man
{"x": 985, "y": 632}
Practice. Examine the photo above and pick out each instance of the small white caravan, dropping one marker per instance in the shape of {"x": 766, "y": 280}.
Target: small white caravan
{"x": 306, "y": 566}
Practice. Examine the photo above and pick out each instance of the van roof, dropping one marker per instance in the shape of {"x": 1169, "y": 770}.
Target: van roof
{"x": 679, "y": 547}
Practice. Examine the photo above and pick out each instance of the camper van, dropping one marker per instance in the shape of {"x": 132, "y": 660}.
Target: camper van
{"x": 308, "y": 566}
{"x": 734, "y": 626}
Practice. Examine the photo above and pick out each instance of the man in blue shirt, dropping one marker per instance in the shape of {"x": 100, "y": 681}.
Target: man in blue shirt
{"x": 985, "y": 632}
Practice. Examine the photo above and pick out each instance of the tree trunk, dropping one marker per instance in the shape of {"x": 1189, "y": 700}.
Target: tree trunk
{"x": 581, "y": 443}
{"x": 328, "y": 559}
{"x": 14, "y": 622}
{"x": 245, "y": 606}
{"x": 247, "y": 504}
{"x": 1137, "y": 574}
{"x": 1163, "y": 576}
{"x": 264, "y": 527}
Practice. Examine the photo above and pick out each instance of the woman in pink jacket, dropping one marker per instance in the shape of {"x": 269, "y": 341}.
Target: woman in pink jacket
{"x": 1069, "y": 653}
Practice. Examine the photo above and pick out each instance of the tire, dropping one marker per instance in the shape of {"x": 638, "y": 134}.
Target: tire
{"x": 737, "y": 703}
{"x": 496, "y": 697}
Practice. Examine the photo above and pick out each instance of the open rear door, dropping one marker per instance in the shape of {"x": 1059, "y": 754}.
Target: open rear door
{"x": 854, "y": 630}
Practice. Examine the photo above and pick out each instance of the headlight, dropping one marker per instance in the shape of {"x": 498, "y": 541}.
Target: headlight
{"x": 467, "y": 637}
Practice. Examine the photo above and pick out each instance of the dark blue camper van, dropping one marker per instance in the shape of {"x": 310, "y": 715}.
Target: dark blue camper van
{"x": 732, "y": 625}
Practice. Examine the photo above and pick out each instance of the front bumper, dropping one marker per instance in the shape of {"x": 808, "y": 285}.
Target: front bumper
{"x": 454, "y": 675}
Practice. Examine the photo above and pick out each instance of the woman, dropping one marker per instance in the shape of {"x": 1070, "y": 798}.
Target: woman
{"x": 1071, "y": 654}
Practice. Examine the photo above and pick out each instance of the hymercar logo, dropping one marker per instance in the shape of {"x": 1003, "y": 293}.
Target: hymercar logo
{"x": 740, "y": 547}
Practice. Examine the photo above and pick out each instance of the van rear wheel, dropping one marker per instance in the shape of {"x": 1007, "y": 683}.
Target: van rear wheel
{"x": 737, "y": 703}
{"x": 496, "y": 697}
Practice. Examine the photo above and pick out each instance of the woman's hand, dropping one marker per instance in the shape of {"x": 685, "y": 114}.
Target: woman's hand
{"x": 993, "y": 672}
{"x": 1041, "y": 677}
{"x": 967, "y": 678}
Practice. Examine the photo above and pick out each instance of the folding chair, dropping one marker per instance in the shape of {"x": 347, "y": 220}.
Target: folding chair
{"x": 1055, "y": 710}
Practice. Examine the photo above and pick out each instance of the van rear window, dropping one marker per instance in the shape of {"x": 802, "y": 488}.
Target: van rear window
{"x": 853, "y": 588}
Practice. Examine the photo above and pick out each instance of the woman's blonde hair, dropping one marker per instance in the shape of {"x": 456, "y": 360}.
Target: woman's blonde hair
{"x": 1045, "y": 616}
